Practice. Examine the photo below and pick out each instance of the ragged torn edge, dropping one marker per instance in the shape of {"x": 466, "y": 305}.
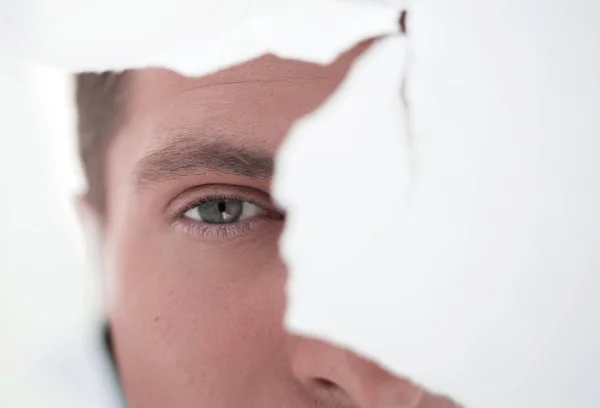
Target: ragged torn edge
{"x": 411, "y": 147}
{"x": 299, "y": 31}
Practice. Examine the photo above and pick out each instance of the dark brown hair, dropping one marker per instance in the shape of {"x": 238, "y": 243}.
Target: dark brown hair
{"x": 101, "y": 108}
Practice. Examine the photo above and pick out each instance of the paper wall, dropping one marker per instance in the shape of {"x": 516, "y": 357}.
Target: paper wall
{"x": 474, "y": 235}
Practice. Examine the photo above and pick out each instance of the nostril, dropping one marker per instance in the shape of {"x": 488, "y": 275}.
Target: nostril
{"x": 325, "y": 383}
{"x": 325, "y": 392}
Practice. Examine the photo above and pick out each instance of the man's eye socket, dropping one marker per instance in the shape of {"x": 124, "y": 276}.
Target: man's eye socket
{"x": 224, "y": 211}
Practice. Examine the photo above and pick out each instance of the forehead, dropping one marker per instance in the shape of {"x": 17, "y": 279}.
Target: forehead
{"x": 241, "y": 112}
{"x": 251, "y": 105}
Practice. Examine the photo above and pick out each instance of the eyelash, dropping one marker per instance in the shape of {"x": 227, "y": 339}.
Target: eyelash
{"x": 222, "y": 231}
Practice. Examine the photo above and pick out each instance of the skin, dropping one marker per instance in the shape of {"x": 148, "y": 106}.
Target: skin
{"x": 196, "y": 309}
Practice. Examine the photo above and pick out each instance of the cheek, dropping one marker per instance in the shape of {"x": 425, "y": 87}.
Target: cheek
{"x": 189, "y": 310}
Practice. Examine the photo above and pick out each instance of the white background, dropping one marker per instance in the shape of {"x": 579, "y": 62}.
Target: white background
{"x": 515, "y": 110}
{"x": 45, "y": 285}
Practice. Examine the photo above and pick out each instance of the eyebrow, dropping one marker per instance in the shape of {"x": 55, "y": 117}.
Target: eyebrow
{"x": 186, "y": 156}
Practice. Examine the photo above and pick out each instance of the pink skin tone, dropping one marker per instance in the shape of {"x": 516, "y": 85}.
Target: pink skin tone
{"x": 197, "y": 309}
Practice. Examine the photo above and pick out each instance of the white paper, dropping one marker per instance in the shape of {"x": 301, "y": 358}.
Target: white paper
{"x": 345, "y": 206}
{"x": 463, "y": 253}
{"x": 483, "y": 284}
{"x": 192, "y": 37}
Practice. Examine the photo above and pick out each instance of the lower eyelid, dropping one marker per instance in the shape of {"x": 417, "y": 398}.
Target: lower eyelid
{"x": 217, "y": 231}
{"x": 207, "y": 231}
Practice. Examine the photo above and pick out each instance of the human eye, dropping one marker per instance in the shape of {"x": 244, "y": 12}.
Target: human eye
{"x": 224, "y": 212}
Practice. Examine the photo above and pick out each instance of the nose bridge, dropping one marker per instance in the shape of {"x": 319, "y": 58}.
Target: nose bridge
{"x": 319, "y": 365}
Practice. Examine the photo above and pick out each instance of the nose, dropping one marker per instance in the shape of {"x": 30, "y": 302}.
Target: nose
{"x": 335, "y": 374}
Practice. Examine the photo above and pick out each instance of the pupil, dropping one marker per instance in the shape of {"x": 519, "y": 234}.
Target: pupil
{"x": 222, "y": 211}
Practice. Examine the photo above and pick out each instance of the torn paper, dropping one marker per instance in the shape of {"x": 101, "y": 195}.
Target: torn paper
{"x": 347, "y": 211}
{"x": 192, "y": 37}
{"x": 483, "y": 283}
{"x": 363, "y": 124}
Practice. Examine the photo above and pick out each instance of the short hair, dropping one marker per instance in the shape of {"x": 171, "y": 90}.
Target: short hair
{"x": 101, "y": 102}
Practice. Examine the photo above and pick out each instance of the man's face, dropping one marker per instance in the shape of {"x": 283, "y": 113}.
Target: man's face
{"x": 191, "y": 243}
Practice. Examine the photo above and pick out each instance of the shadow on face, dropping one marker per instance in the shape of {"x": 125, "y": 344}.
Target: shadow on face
{"x": 191, "y": 241}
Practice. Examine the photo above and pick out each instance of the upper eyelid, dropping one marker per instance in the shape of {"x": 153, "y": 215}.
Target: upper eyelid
{"x": 204, "y": 200}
